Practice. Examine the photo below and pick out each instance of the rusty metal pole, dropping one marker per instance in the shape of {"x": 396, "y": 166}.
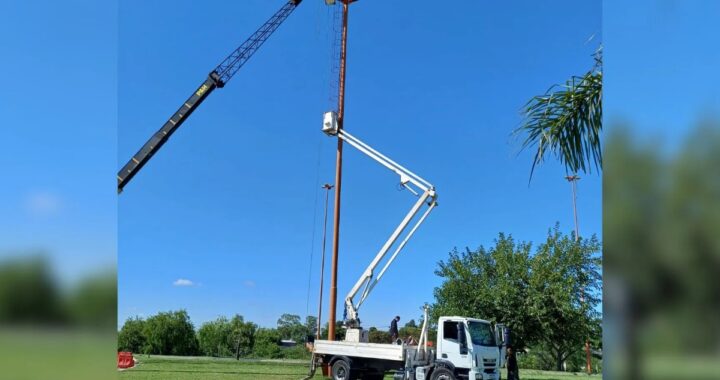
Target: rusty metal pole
{"x": 327, "y": 187}
{"x": 338, "y": 177}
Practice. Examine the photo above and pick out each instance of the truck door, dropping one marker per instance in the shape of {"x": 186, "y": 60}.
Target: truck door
{"x": 454, "y": 344}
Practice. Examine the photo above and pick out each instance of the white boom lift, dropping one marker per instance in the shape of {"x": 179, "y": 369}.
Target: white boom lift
{"x": 409, "y": 180}
{"x": 467, "y": 348}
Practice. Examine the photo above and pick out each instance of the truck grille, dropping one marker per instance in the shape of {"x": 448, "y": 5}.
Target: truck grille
{"x": 489, "y": 362}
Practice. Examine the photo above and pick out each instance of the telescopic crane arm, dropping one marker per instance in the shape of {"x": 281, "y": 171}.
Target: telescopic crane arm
{"x": 415, "y": 184}
{"x": 216, "y": 79}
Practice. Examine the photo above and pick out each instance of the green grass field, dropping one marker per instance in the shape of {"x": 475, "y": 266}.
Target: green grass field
{"x": 176, "y": 368}
{"x": 29, "y": 354}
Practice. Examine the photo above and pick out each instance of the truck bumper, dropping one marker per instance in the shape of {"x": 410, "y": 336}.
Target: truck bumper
{"x": 479, "y": 374}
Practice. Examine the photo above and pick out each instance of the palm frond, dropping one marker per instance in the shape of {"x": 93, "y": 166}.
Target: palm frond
{"x": 566, "y": 121}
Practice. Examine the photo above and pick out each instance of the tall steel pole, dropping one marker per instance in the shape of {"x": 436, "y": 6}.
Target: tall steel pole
{"x": 327, "y": 187}
{"x": 338, "y": 175}
{"x": 573, "y": 181}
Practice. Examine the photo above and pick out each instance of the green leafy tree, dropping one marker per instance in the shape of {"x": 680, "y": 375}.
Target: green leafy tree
{"x": 242, "y": 336}
{"x": 28, "y": 292}
{"x": 93, "y": 302}
{"x": 339, "y": 331}
{"x": 311, "y": 325}
{"x": 131, "y": 337}
{"x": 489, "y": 283}
{"x": 290, "y": 327}
{"x": 565, "y": 287}
{"x": 214, "y": 338}
{"x": 566, "y": 121}
{"x": 170, "y": 333}
{"x": 548, "y": 299}
{"x": 267, "y": 344}
{"x": 224, "y": 338}
{"x": 661, "y": 211}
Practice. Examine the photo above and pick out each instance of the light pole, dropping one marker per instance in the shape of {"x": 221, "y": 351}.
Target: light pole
{"x": 327, "y": 188}
{"x": 573, "y": 181}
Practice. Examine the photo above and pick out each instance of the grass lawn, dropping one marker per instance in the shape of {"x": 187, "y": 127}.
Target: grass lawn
{"x": 29, "y": 354}
{"x": 176, "y": 368}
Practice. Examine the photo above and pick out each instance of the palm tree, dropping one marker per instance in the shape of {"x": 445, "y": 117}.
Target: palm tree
{"x": 566, "y": 121}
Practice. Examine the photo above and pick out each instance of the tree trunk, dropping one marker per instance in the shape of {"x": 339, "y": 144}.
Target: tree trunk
{"x": 559, "y": 363}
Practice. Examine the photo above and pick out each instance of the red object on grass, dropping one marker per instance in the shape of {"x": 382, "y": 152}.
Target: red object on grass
{"x": 125, "y": 360}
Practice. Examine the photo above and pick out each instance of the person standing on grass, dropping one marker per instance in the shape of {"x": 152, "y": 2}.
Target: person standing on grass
{"x": 394, "y": 329}
{"x": 512, "y": 365}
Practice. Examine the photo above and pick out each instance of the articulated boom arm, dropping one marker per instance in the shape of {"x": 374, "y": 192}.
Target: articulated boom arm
{"x": 416, "y": 185}
{"x": 216, "y": 79}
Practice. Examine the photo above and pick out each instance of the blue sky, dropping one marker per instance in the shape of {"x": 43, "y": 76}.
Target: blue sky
{"x": 58, "y": 140}
{"x": 661, "y": 72}
{"x": 230, "y": 202}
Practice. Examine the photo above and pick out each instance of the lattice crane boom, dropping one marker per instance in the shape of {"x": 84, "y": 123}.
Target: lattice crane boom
{"x": 216, "y": 79}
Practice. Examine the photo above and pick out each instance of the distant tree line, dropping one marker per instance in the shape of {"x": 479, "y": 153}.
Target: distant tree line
{"x": 31, "y": 295}
{"x": 173, "y": 333}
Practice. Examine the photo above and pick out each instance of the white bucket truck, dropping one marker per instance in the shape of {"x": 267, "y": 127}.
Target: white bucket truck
{"x": 467, "y": 348}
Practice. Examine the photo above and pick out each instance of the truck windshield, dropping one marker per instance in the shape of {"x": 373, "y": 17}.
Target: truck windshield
{"x": 481, "y": 333}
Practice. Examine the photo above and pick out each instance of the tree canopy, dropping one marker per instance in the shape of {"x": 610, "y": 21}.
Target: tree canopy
{"x": 290, "y": 327}
{"x": 131, "y": 337}
{"x": 170, "y": 333}
{"x": 548, "y": 297}
{"x": 226, "y": 337}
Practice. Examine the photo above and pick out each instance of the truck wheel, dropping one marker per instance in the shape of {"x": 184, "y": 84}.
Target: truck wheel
{"x": 442, "y": 374}
{"x": 341, "y": 370}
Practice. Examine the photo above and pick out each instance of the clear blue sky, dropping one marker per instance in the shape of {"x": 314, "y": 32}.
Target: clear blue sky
{"x": 661, "y": 74}
{"x": 229, "y": 202}
{"x": 58, "y": 141}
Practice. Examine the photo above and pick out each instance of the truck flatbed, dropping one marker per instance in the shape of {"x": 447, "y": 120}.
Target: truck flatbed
{"x": 383, "y": 351}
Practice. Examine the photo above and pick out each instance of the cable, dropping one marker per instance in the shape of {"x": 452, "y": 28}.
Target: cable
{"x": 314, "y": 225}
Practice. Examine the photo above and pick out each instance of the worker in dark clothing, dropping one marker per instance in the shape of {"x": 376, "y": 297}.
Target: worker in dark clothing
{"x": 394, "y": 329}
{"x": 512, "y": 365}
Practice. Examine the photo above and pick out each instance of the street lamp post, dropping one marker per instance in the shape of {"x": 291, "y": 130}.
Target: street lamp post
{"x": 573, "y": 181}
{"x": 327, "y": 188}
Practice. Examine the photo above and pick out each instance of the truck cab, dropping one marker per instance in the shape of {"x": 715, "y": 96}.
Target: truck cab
{"x": 469, "y": 348}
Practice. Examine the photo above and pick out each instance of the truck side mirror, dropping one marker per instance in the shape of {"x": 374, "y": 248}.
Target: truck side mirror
{"x": 462, "y": 338}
